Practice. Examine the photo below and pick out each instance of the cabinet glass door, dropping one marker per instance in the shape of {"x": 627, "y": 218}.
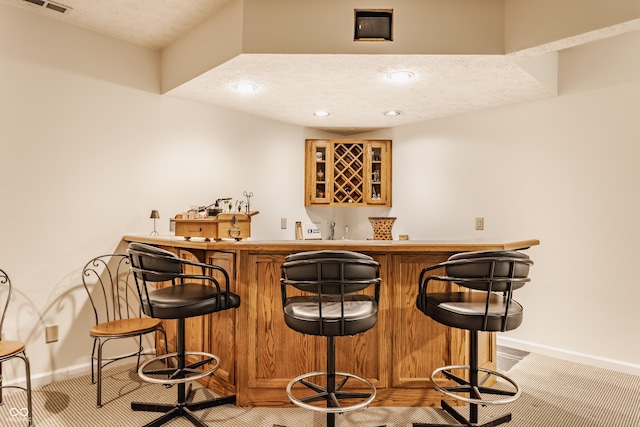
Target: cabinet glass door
{"x": 377, "y": 188}
{"x": 319, "y": 157}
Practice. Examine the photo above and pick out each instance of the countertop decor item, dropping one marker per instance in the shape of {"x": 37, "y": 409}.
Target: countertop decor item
{"x": 382, "y": 226}
{"x": 154, "y": 215}
{"x": 229, "y": 225}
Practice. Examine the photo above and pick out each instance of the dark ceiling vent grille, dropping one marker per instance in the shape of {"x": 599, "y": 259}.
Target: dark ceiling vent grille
{"x": 373, "y": 25}
{"x": 56, "y": 7}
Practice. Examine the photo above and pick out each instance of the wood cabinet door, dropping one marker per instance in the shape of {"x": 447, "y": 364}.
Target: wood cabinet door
{"x": 420, "y": 344}
{"x": 365, "y": 354}
{"x": 169, "y": 325}
{"x": 195, "y": 327}
{"x": 273, "y": 353}
{"x": 219, "y": 328}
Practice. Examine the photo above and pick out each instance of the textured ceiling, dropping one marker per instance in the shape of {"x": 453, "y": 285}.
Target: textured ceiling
{"x": 353, "y": 88}
{"x": 357, "y": 95}
{"x": 150, "y": 23}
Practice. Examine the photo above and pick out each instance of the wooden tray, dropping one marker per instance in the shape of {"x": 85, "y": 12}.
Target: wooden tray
{"x": 224, "y": 226}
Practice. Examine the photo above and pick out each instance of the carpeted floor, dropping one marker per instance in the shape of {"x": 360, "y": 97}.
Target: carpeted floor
{"x": 555, "y": 393}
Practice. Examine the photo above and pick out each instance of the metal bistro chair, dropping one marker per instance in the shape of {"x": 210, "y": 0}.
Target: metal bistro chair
{"x": 10, "y": 350}
{"x": 487, "y": 305}
{"x": 117, "y": 311}
{"x": 189, "y": 295}
{"x": 331, "y": 305}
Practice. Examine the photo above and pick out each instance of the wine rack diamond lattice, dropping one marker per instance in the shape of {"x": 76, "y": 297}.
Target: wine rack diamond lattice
{"x": 347, "y": 180}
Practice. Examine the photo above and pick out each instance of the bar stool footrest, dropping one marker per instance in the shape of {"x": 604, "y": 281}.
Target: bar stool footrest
{"x": 465, "y": 386}
{"x": 332, "y": 398}
{"x": 176, "y": 375}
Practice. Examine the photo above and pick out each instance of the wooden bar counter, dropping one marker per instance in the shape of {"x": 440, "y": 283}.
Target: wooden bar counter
{"x": 259, "y": 354}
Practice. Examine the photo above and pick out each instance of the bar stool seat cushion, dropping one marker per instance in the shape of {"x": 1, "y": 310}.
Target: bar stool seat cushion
{"x": 466, "y": 310}
{"x": 188, "y": 300}
{"x": 302, "y": 314}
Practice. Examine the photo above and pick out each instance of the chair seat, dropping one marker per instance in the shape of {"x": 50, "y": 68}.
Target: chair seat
{"x": 466, "y": 310}
{"x": 10, "y": 348}
{"x": 123, "y": 327}
{"x": 302, "y": 314}
{"x": 188, "y": 300}
{"x": 308, "y": 308}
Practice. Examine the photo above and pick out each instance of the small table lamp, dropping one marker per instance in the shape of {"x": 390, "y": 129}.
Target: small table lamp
{"x": 154, "y": 215}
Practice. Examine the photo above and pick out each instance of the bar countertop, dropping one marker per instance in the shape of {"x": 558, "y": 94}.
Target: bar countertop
{"x": 378, "y": 246}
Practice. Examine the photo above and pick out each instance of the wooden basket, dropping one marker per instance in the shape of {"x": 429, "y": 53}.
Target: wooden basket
{"x": 382, "y": 226}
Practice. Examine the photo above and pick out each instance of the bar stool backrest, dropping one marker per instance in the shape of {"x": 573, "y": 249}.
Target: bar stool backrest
{"x": 332, "y": 283}
{"x": 329, "y": 272}
{"x": 497, "y": 271}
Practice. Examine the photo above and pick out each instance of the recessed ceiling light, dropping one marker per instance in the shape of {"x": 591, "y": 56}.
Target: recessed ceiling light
{"x": 392, "y": 113}
{"x": 321, "y": 113}
{"x": 245, "y": 87}
{"x": 400, "y": 76}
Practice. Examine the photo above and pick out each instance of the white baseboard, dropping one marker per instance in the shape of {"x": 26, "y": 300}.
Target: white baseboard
{"x": 62, "y": 374}
{"x": 558, "y": 353}
{"x": 49, "y": 377}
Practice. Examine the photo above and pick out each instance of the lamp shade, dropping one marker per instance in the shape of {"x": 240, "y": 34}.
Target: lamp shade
{"x": 154, "y": 214}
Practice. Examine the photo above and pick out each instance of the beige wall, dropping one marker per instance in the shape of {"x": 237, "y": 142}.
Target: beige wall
{"x": 212, "y": 43}
{"x": 530, "y": 23}
{"x": 85, "y": 157}
{"x": 33, "y": 38}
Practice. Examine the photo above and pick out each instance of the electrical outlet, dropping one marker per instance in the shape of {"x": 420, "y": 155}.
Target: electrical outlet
{"x": 51, "y": 333}
{"x": 479, "y": 223}
{"x": 283, "y": 223}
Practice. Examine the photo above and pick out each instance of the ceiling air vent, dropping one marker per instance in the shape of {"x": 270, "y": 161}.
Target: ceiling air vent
{"x": 373, "y": 24}
{"x": 57, "y": 7}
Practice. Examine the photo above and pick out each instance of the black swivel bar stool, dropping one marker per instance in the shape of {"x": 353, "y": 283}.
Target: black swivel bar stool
{"x": 491, "y": 277}
{"x": 190, "y": 294}
{"x": 332, "y": 304}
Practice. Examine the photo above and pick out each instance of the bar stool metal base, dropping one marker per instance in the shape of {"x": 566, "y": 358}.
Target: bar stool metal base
{"x": 180, "y": 375}
{"x": 462, "y": 421}
{"x": 181, "y": 409}
{"x": 475, "y": 390}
